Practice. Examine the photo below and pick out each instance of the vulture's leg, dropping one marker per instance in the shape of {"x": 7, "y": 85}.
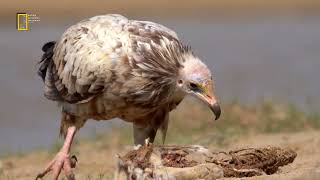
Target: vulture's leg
{"x": 141, "y": 133}
{"x": 62, "y": 160}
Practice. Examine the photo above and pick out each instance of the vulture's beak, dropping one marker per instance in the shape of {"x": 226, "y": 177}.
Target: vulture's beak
{"x": 207, "y": 96}
{"x": 215, "y": 108}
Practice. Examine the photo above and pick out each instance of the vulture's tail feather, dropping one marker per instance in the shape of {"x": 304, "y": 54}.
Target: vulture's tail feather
{"x": 46, "y": 58}
{"x": 46, "y": 72}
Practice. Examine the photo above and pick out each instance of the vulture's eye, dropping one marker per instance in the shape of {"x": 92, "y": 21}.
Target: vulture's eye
{"x": 194, "y": 87}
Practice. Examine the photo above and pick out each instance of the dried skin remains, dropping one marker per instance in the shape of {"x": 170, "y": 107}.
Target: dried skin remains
{"x": 240, "y": 163}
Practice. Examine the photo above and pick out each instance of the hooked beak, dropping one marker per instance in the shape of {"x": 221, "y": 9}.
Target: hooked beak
{"x": 211, "y": 101}
{"x": 215, "y": 108}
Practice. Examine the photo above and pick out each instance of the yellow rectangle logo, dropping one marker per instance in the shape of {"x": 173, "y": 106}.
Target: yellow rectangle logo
{"x": 22, "y": 22}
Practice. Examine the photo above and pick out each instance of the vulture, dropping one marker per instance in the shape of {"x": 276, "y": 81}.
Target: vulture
{"x": 108, "y": 67}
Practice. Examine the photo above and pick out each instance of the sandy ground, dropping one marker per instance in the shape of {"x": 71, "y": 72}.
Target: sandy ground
{"x": 97, "y": 159}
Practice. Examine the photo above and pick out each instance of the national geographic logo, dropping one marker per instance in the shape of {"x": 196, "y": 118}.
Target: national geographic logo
{"x": 24, "y": 20}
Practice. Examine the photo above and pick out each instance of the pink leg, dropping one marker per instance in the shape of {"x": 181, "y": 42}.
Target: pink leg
{"x": 62, "y": 160}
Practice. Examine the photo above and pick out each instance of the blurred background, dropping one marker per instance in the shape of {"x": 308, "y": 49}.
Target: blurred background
{"x": 261, "y": 53}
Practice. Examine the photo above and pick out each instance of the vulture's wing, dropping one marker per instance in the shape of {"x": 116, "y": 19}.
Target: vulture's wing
{"x": 92, "y": 53}
{"x": 84, "y": 58}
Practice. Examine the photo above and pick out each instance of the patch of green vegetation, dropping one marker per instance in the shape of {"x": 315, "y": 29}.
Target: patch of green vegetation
{"x": 5, "y": 152}
{"x": 277, "y": 118}
{"x": 314, "y": 120}
{"x": 126, "y": 133}
{"x": 55, "y": 147}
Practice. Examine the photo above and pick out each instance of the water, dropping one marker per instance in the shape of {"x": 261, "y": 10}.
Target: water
{"x": 251, "y": 59}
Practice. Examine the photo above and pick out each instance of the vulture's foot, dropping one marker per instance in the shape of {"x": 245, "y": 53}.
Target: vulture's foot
{"x": 62, "y": 161}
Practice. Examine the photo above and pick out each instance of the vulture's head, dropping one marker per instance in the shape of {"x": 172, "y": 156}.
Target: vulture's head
{"x": 195, "y": 79}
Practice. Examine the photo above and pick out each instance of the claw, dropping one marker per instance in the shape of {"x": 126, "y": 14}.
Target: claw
{"x": 39, "y": 176}
{"x": 74, "y": 161}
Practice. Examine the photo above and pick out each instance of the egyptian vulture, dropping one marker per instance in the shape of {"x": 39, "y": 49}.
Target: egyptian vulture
{"x": 109, "y": 67}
